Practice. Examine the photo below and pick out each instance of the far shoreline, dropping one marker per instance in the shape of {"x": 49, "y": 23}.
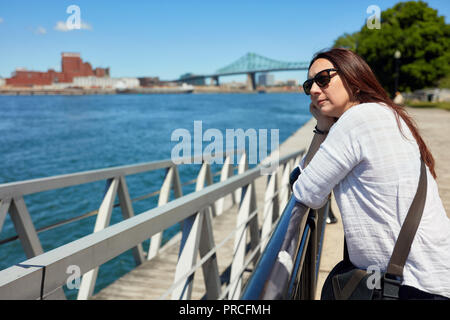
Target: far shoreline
{"x": 24, "y": 91}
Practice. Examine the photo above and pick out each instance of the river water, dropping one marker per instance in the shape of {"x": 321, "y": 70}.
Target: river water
{"x": 42, "y": 136}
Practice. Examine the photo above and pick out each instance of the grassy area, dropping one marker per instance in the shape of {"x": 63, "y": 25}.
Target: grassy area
{"x": 440, "y": 105}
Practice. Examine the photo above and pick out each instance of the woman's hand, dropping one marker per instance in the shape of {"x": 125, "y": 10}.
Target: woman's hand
{"x": 324, "y": 123}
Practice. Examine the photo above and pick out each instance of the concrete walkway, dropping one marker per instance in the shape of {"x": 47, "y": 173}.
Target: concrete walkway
{"x": 434, "y": 128}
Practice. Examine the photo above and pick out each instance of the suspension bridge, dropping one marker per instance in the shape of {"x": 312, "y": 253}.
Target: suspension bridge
{"x": 249, "y": 64}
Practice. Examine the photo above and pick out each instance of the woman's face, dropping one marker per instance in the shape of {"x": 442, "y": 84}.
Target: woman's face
{"x": 333, "y": 99}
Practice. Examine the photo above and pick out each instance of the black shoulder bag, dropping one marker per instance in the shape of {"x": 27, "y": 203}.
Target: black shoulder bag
{"x": 346, "y": 282}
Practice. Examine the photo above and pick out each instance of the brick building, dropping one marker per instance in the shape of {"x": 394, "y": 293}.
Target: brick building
{"x": 149, "y": 81}
{"x": 71, "y": 65}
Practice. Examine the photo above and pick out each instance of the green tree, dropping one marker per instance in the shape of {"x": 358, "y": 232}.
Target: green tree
{"x": 422, "y": 37}
{"x": 348, "y": 41}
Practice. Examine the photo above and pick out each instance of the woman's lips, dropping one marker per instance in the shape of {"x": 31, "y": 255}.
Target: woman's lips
{"x": 321, "y": 101}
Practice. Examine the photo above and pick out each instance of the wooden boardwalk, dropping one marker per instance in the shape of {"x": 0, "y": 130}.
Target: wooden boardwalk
{"x": 153, "y": 278}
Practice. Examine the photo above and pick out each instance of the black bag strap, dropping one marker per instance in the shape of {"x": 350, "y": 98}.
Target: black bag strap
{"x": 409, "y": 227}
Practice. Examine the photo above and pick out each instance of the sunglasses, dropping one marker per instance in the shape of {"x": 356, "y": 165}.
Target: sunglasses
{"x": 322, "y": 78}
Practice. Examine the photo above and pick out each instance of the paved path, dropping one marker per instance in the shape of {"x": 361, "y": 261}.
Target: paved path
{"x": 434, "y": 127}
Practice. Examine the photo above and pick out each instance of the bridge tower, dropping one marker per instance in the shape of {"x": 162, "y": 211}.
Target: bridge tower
{"x": 251, "y": 84}
{"x": 215, "y": 81}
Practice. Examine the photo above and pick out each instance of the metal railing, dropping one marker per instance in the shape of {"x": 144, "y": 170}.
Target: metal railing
{"x": 44, "y": 274}
{"x": 289, "y": 266}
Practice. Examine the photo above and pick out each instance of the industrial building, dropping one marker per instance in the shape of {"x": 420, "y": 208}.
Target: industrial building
{"x": 71, "y": 65}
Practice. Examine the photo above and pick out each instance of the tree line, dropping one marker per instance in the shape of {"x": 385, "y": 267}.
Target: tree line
{"x": 419, "y": 34}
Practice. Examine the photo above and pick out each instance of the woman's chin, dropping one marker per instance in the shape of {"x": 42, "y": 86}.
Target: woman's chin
{"x": 326, "y": 112}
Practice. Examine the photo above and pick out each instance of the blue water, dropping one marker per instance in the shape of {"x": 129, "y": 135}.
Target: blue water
{"x": 43, "y": 136}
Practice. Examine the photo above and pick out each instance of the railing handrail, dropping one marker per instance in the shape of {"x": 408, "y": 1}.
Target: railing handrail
{"x": 95, "y": 212}
{"x": 17, "y": 282}
{"x": 12, "y": 189}
{"x": 257, "y": 283}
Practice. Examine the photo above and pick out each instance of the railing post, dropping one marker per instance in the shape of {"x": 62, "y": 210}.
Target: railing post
{"x": 197, "y": 237}
{"x": 210, "y": 267}
{"x": 226, "y": 172}
{"x": 253, "y": 226}
{"x": 192, "y": 228}
{"x": 284, "y": 187}
{"x": 209, "y": 181}
{"x": 297, "y": 161}
{"x": 25, "y": 228}
{"x": 243, "y": 166}
{"x": 128, "y": 212}
{"x": 306, "y": 285}
{"x": 4, "y": 206}
{"x": 312, "y": 252}
{"x": 172, "y": 179}
{"x": 103, "y": 218}
{"x": 271, "y": 207}
{"x": 240, "y": 242}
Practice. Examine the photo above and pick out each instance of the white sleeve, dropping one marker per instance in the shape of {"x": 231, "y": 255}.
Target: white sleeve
{"x": 335, "y": 158}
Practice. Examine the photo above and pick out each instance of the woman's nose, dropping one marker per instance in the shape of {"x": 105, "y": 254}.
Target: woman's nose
{"x": 315, "y": 89}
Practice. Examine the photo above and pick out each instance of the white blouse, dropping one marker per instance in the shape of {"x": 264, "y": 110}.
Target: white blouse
{"x": 374, "y": 172}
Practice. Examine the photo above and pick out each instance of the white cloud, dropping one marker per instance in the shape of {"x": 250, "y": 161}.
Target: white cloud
{"x": 62, "y": 26}
{"x": 1, "y": 20}
{"x": 40, "y": 30}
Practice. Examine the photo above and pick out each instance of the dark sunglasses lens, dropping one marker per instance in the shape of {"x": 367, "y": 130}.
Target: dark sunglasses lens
{"x": 323, "y": 80}
{"x": 307, "y": 86}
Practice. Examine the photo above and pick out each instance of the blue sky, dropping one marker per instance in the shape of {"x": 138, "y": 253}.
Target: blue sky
{"x": 169, "y": 38}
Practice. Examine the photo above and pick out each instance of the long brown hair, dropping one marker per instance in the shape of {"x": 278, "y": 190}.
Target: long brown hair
{"x": 363, "y": 86}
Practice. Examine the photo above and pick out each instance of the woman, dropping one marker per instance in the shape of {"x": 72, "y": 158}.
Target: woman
{"x": 367, "y": 151}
